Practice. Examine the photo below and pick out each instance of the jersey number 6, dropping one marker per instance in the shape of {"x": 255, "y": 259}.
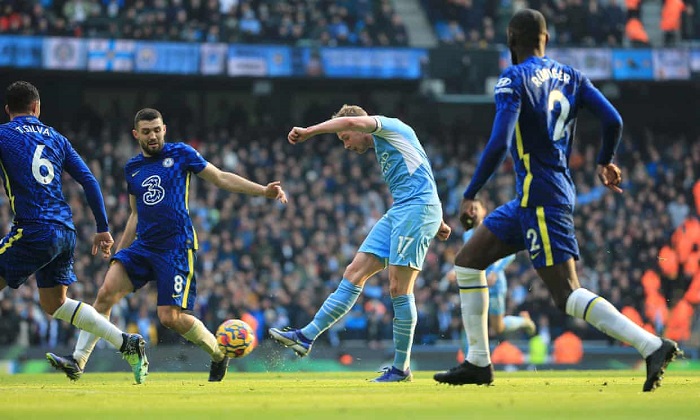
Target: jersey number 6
{"x": 38, "y": 162}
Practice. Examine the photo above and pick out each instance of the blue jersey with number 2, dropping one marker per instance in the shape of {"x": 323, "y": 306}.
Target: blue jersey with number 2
{"x": 547, "y": 95}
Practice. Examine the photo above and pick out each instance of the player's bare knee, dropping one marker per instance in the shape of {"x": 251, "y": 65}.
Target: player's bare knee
{"x": 169, "y": 317}
{"x": 395, "y": 290}
{"x": 106, "y": 298}
{"x": 51, "y": 305}
{"x": 168, "y": 321}
{"x": 354, "y": 273}
{"x": 351, "y": 275}
{"x": 560, "y": 301}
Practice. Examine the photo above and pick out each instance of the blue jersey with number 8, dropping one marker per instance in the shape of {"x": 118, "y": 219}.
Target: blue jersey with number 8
{"x": 547, "y": 95}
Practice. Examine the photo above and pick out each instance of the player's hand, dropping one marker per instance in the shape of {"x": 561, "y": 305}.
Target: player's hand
{"x": 298, "y": 135}
{"x": 103, "y": 242}
{"x": 467, "y": 213}
{"x": 611, "y": 176}
{"x": 444, "y": 231}
{"x": 274, "y": 190}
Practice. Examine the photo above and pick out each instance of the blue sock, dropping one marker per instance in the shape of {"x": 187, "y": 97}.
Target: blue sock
{"x": 336, "y": 305}
{"x": 405, "y": 318}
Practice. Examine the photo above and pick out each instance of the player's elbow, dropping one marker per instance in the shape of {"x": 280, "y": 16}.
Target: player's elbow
{"x": 613, "y": 122}
{"x": 357, "y": 124}
{"x": 617, "y": 123}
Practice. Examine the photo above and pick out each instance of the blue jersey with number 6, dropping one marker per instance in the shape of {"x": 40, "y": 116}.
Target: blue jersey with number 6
{"x": 32, "y": 158}
{"x": 547, "y": 94}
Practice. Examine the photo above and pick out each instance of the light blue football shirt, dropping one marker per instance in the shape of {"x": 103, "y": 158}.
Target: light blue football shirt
{"x": 404, "y": 164}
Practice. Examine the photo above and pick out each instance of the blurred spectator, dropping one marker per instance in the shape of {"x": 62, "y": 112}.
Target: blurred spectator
{"x": 303, "y": 22}
{"x": 472, "y": 23}
{"x": 671, "y": 14}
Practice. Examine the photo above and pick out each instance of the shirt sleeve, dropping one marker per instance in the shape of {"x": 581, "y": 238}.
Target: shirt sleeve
{"x": 508, "y": 91}
{"x": 386, "y": 126}
{"x": 610, "y": 120}
{"x": 77, "y": 168}
{"x": 193, "y": 159}
{"x": 507, "y": 94}
{"x": 127, "y": 177}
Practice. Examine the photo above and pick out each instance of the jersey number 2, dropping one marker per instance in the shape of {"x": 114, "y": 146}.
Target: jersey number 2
{"x": 38, "y": 162}
{"x": 559, "y": 130}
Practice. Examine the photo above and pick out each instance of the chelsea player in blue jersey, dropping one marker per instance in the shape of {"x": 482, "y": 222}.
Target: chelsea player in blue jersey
{"x": 33, "y": 157}
{"x": 400, "y": 239}
{"x": 537, "y": 102}
{"x": 159, "y": 241}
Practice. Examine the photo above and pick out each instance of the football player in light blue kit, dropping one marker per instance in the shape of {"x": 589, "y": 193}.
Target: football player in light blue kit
{"x": 498, "y": 288}
{"x": 33, "y": 157}
{"x": 537, "y": 102}
{"x": 159, "y": 241}
{"x": 400, "y": 239}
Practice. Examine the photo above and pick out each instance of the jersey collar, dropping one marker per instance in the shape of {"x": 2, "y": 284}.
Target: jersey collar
{"x": 26, "y": 119}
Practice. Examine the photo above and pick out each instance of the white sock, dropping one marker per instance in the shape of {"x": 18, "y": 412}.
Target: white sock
{"x": 85, "y": 345}
{"x": 87, "y": 319}
{"x": 600, "y": 313}
{"x": 474, "y": 294}
{"x": 513, "y": 323}
{"x": 204, "y": 339}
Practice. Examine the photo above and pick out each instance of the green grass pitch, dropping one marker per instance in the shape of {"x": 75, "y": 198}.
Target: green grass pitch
{"x": 590, "y": 395}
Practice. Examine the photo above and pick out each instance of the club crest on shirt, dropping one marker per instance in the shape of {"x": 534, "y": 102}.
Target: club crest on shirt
{"x": 168, "y": 162}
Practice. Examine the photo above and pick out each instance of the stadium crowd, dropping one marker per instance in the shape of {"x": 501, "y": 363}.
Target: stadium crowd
{"x": 472, "y": 23}
{"x": 326, "y": 22}
{"x": 274, "y": 264}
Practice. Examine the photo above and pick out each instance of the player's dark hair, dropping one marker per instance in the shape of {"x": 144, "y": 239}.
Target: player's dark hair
{"x": 350, "y": 111}
{"x": 19, "y": 97}
{"x": 147, "y": 114}
{"x": 526, "y": 27}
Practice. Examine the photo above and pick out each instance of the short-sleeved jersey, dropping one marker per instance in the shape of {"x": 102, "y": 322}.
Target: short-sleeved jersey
{"x": 32, "y": 157}
{"x": 161, "y": 186}
{"x": 547, "y": 96}
{"x": 403, "y": 162}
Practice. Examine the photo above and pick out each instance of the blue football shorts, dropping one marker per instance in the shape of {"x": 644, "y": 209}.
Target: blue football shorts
{"x": 546, "y": 232}
{"x": 42, "y": 248}
{"x": 173, "y": 272}
{"x": 402, "y": 236}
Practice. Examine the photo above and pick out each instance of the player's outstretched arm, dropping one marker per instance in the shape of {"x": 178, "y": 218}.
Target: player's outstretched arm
{"x": 234, "y": 183}
{"x": 364, "y": 124}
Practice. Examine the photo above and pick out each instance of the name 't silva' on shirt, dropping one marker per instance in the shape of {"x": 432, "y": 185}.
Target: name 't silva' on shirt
{"x": 44, "y": 131}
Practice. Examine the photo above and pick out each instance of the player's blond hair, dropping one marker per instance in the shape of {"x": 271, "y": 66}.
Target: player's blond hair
{"x": 350, "y": 111}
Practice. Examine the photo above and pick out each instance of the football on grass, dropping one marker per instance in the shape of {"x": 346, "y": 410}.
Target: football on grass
{"x": 235, "y": 337}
